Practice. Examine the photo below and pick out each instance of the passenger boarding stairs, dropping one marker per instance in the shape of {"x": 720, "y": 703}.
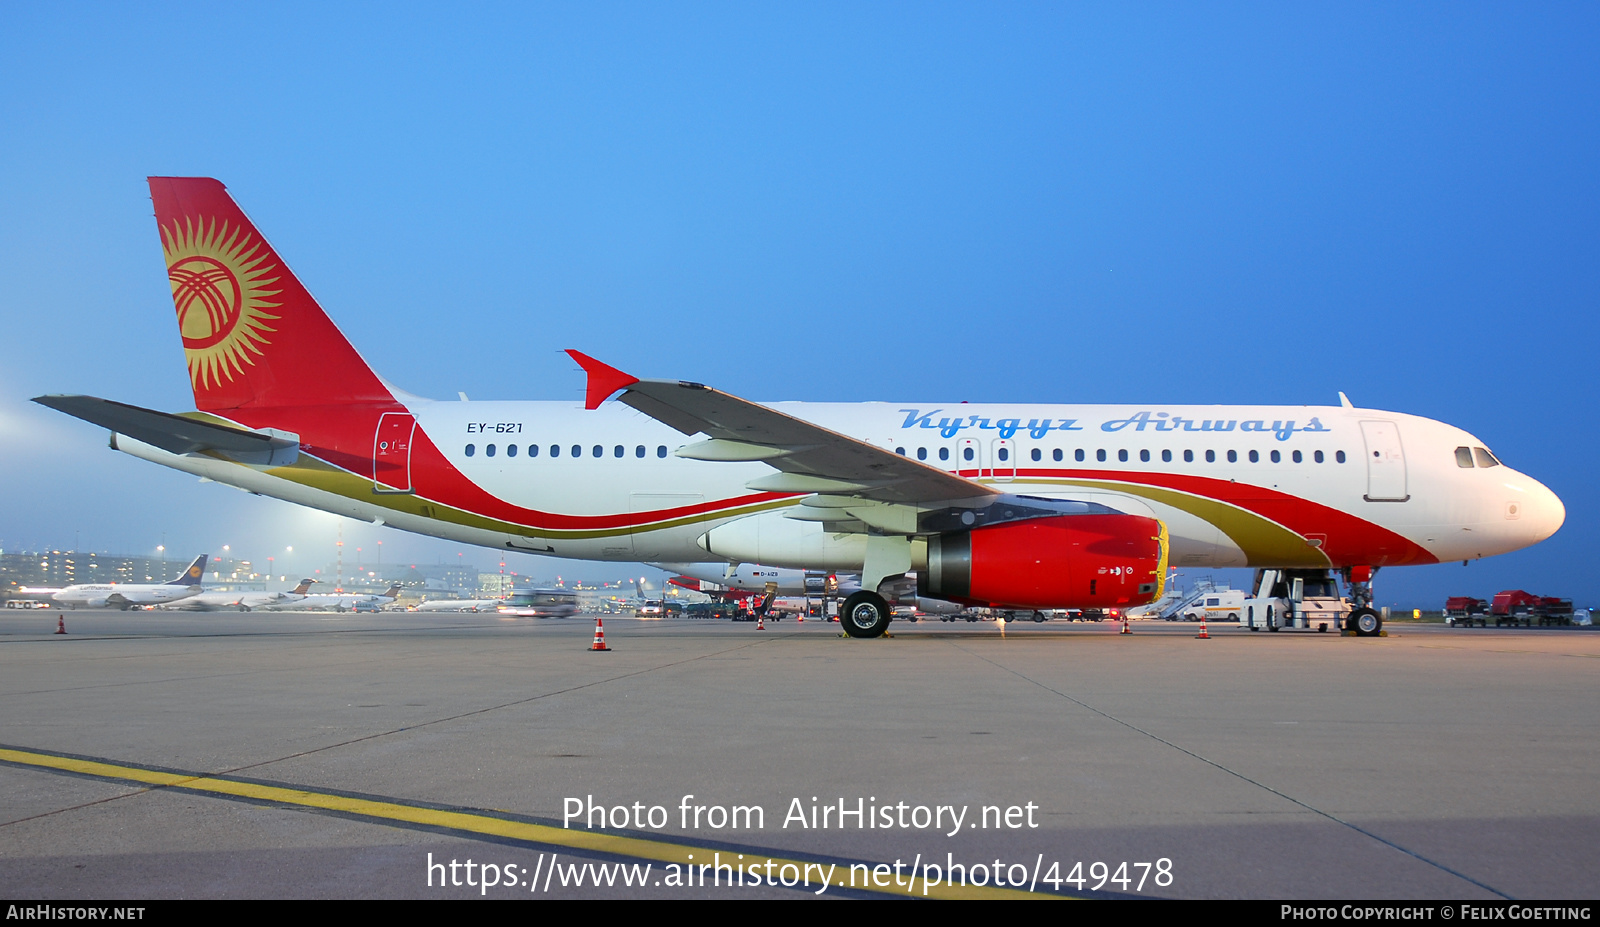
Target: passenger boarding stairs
{"x": 1173, "y": 606}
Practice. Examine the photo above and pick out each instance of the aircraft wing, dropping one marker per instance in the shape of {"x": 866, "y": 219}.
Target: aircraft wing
{"x": 172, "y": 433}
{"x": 810, "y": 458}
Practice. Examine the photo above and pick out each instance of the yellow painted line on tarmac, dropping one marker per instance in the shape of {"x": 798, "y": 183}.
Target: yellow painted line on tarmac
{"x": 662, "y": 851}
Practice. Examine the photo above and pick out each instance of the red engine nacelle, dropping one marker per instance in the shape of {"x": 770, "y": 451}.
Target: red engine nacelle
{"x": 1068, "y": 561}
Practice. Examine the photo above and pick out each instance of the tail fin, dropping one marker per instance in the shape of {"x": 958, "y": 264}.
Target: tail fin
{"x": 303, "y": 588}
{"x": 394, "y": 592}
{"x": 191, "y": 576}
{"x": 251, "y": 332}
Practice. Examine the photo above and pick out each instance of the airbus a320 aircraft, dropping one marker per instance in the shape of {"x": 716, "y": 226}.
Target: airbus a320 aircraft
{"x": 129, "y": 595}
{"x": 1008, "y": 505}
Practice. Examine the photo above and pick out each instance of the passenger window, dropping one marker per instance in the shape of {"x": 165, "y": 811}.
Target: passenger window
{"x": 922, "y": 453}
{"x": 1100, "y": 455}
{"x": 1339, "y": 456}
{"x": 511, "y": 450}
{"x": 599, "y": 451}
{"x": 1122, "y": 455}
{"x": 618, "y": 451}
{"x": 944, "y": 453}
{"x": 533, "y": 450}
{"x": 1211, "y": 456}
{"x": 1078, "y": 454}
{"x": 1166, "y": 456}
{"x": 1276, "y": 457}
{"x": 966, "y": 453}
{"x": 1037, "y": 454}
{"x": 1297, "y": 457}
{"x": 1233, "y": 457}
{"x": 639, "y": 452}
{"x": 577, "y": 450}
{"x": 1464, "y": 458}
{"x": 1188, "y": 456}
{"x": 1056, "y": 454}
{"x": 661, "y": 450}
{"x": 901, "y": 451}
{"x": 1005, "y": 454}
{"x": 488, "y": 450}
{"x": 1317, "y": 457}
{"x": 1485, "y": 459}
{"x": 1144, "y": 456}
{"x": 555, "y": 450}
{"x": 1255, "y": 456}
{"x": 471, "y": 450}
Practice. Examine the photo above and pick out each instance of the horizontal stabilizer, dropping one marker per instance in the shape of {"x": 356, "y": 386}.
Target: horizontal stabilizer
{"x": 172, "y": 433}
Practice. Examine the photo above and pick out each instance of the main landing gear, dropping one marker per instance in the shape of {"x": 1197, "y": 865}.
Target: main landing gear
{"x": 865, "y": 614}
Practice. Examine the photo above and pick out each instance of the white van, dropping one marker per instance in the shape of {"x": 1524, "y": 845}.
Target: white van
{"x": 1217, "y": 605}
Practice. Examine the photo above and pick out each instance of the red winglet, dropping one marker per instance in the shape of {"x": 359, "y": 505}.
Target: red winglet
{"x": 603, "y": 379}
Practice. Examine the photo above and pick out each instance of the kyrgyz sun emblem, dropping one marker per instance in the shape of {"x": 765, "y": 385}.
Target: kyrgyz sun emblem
{"x": 219, "y": 278}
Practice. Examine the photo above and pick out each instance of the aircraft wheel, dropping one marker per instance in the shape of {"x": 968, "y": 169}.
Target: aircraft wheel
{"x": 1038, "y": 616}
{"x": 865, "y": 614}
{"x": 1365, "y": 622}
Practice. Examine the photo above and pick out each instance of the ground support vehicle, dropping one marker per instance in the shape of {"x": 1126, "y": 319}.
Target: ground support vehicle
{"x": 1516, "y": 606}
{"x": 1463, "y": 611}
{"x": 540, "y": 603}
{"x": 1553, "y": 611}
{"x": 1304, "y": 600}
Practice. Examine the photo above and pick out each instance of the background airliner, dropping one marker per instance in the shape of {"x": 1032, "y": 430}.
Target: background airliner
{"x": 240, "y": 601}
{"x": 1012, "y": 505}
{"x": 341, "y": 601}
{"x": 128, "y": 595}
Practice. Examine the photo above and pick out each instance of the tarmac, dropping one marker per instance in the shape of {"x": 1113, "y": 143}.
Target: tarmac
{"x": 151, "y": 755}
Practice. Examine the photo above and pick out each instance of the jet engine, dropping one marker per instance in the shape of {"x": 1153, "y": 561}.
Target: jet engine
{"x": 1065, "y": 561}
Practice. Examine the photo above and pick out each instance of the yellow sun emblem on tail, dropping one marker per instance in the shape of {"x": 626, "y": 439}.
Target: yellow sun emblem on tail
{"x": 219, "y": 285}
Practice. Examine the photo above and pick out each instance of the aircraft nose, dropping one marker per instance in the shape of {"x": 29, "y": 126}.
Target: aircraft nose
{"x": 1547, "y": 513}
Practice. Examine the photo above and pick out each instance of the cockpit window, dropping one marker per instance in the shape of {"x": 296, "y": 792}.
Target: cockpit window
{"x": 1464, "y": 457}
{"x": 1485, "y": 459}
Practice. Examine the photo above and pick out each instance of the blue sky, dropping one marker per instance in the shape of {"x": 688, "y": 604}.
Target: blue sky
{"x": 1208, "y": 203}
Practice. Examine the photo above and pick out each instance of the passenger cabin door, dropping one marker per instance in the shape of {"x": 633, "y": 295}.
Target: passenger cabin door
{"x": 1386, "y": 462}
{"x": 391, "y": 453}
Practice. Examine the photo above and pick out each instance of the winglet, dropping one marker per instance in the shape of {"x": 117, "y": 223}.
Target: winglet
{"x": 603, "y": 379}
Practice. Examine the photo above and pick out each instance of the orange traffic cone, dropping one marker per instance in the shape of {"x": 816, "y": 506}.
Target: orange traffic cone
{"x": 761, "y": 622}
{"x": 1202, "y": 636}
{"x": 599, "y": 638}
{"x": 1125, "y": 628}
{"x": 61, "y": 624}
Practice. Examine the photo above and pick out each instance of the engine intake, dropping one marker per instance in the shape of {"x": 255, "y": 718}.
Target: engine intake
{"x": 1066, "y": 561}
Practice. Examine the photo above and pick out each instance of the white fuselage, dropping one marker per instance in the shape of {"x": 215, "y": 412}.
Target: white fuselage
{"x": 1237, "y": 486}
{"x": 458, "y": 605}
{"x": 100, "y": 595}
{"x": 243, "y": 601}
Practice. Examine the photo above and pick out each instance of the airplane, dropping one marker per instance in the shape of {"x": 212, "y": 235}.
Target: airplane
{"x": 1018, "y": 506}
{"x": 242, "y": 601}
{"x": 130, "y": 595}
{"x": 341, "y": 601}
{"x": 458, "y": 605}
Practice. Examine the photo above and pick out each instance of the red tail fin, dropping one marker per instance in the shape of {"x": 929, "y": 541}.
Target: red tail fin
{"x": 252, "y": 334}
